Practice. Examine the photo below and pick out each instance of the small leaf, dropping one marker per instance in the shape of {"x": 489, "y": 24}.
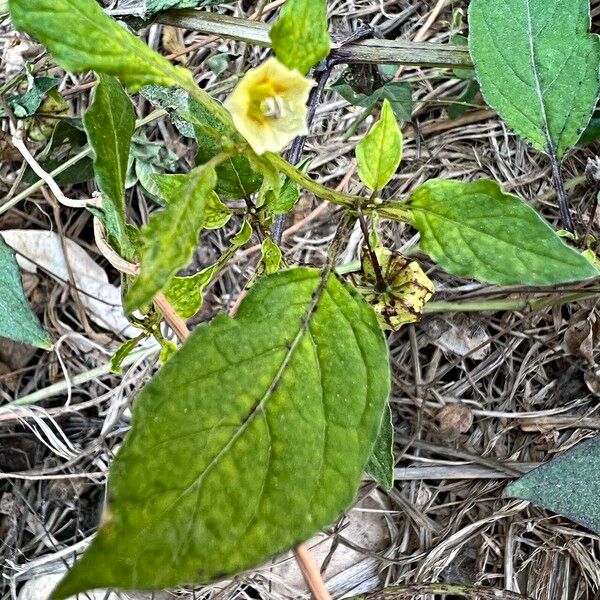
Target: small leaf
{"x": 568, "y": 485}
{"x": 538, "y": 67}
{"x": 82, "y": 38}
{"x": 17, "y": 321}
{"x": 110, "y": 123}
{"x": 381, "y": 463}
{"x": 271, "y": 256}
{"x": 399, "y": 94}
{"x": 592, "y": 131}
{"x": 478, "y": 230}
{"x": 124, "y": 351}
{"x": 300, "y": 37}
{"x": 169, "y": 239}
{"x": 379, "y": 153}
{"x": 185, "y": 294}
{"x": 251, "y": 438}
{"x": 26, "y": 104}
{"x": 216, "y": 213}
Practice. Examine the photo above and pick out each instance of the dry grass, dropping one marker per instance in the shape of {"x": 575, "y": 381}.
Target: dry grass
{"x": 525, "y": 393}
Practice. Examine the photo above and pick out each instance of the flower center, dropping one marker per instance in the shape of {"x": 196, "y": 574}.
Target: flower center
{"x": 273, "y": 107}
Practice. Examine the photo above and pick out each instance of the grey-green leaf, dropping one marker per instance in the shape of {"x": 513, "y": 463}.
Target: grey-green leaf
{"x": 381, "y": 462}
{"x": 250, "y": 439}
{"x": 477, "y": 230}
{"x": 110, "y": 123}
{"x": 568, "y": 485}
{"x": 300, "y": 37}
{"x": 25, "y": 105}
{"x": 169, "y": 238}
{"x": 538, "y": 67}
{"x": 17, "y": 320}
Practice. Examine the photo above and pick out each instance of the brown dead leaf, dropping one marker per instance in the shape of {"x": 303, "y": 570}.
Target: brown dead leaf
{"x": 454, "y": 419}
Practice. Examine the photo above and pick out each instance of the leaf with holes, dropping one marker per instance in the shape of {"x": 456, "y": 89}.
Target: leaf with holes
{"x": 568, "y": 485}
{"x": 17, "y": 320}
{"x": 478, "y": 230}
{"x": 250, "y": 439}
{"x": 538, "y": 67}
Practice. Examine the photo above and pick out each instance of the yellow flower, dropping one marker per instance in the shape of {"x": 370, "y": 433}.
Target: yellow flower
{"x": 268, "y": 106}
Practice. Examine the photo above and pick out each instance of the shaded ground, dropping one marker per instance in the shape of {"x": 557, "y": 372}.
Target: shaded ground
{"x": 526, "y": 379}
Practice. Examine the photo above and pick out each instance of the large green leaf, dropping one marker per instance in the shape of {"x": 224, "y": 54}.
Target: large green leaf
{"x": 538, "y": 66}
{"x": 250, "y": 439}
{"x": 300, "y": 38}
{"x": 169, "y": 238}
{"x": 379, "y": 153}
{"x": 110, "y": 123}
{"x": 478, "y": 230}
{"x": 17, "y": 320}
{"x": 82, "y": 38}
{"x": 568, "y": 485}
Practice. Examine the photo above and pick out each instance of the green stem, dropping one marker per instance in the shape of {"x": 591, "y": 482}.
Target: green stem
{"x": 347, "y": 200}
{"x": 399, "y": 52}
{"x": 508, "y": 304}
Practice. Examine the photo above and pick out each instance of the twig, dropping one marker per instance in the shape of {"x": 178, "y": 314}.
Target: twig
{"x": 563, "y": 202}
{"x": 420, "y": 35}
{"x": 474, "y": 592}
{"x": 311, "y": 573}
{"x": 369, "y": 51}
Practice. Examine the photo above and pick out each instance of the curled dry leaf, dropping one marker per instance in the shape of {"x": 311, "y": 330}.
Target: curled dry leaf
{"x": 581, "y": 335}
{"x": 43, "y": 249}
{"x": 453, "y": 420}
{"x": 461, "y": 334}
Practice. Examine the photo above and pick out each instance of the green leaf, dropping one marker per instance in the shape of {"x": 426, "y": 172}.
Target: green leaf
{"x": 216, "y": 213}
{"x": 124, "y": 351}
{"x": 185, "y": 294}
{"x": 169, "y": 238}
{"x": 270, "y": 256}
{"x": 17, "y": 320}
{"x": 568, "y": 485}
{"x": 478, "y": 230}
{"x": 110, "y": 123}
{"x": 381, "y": 462}
{"x": 236, "y": 177}
{"x": 82, "y": 38}
{"x": 300, "y": 37}
{"x": 26, "y": 104}
{"x": 399, "y": 94}
{"x": 379, "y": 153}
{"x": 250, "y": 439}
{"x": 592, "y": 131}
{"x": 465, "y": 99}
{"x": 538, "y": 67}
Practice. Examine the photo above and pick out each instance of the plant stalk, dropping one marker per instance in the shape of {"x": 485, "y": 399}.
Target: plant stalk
{"x": 397, "y": 52}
